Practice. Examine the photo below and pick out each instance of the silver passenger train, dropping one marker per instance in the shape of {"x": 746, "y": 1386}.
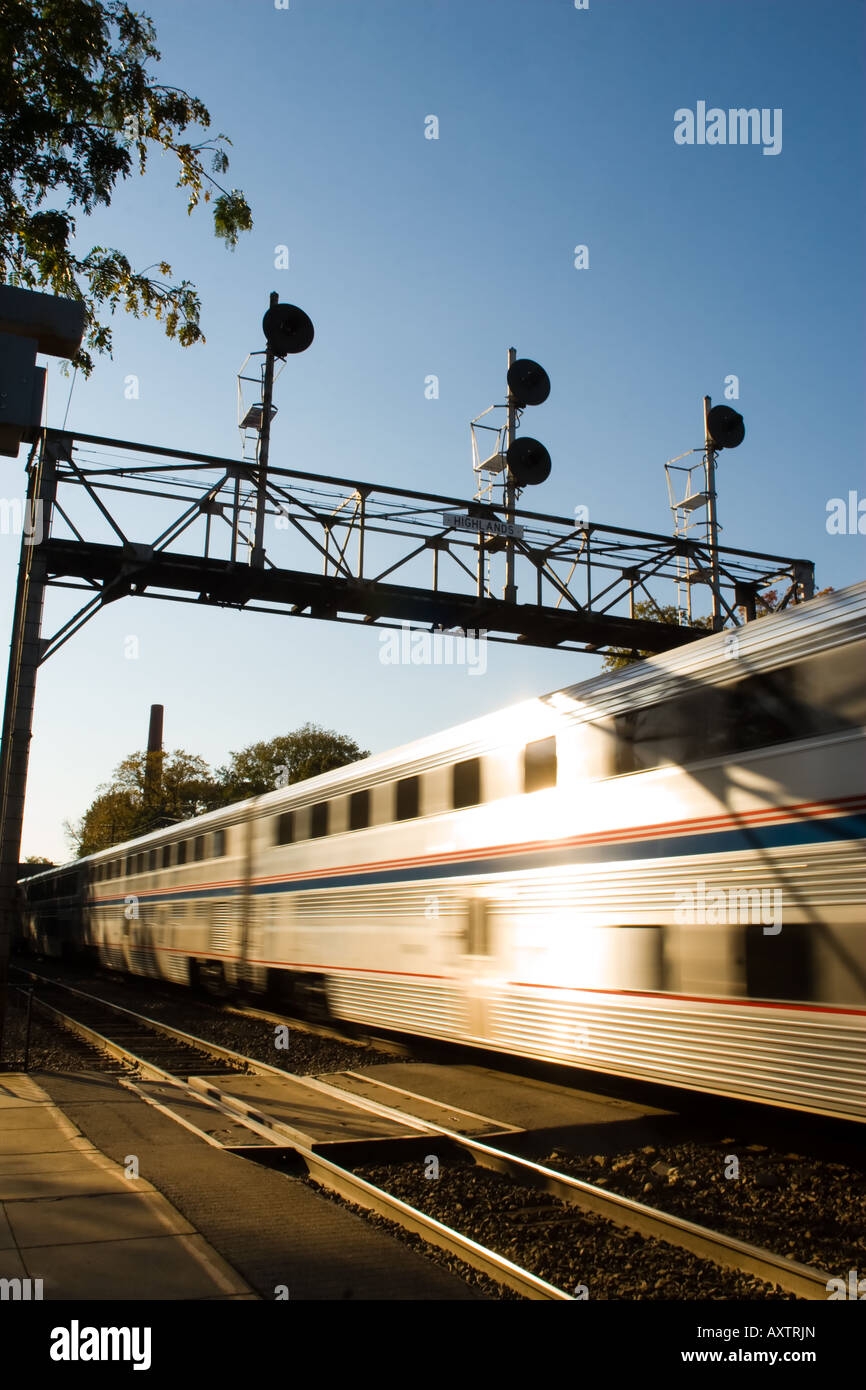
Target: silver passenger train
{"x": 658, "y": 872}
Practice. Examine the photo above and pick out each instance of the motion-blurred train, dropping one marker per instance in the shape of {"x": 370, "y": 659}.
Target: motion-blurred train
{"x": 658, "y": 872}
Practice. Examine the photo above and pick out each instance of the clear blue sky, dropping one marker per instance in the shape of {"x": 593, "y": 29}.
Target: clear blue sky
{"x": 416, "y": 256}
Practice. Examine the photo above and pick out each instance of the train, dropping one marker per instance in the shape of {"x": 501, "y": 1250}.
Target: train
{"x": 656, "y": 873}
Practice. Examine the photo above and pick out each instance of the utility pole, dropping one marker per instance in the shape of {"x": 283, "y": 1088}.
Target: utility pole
{"x": 30, "y": 323}
{"x": 24, "y": 657}
{"x": 510, "y": 592}
{"x": 712, "y": 520}
{"x": 257, "y": 559}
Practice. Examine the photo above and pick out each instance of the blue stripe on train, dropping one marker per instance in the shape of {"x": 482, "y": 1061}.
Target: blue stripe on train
{"x": 787, "y": 835}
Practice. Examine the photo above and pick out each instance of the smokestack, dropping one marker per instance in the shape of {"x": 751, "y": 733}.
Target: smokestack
{"x": 153, "y": 760}
{"x": 154, "y": 733}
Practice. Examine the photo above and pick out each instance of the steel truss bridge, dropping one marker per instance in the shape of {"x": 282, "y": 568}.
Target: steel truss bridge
{"x": 111, "y": 518}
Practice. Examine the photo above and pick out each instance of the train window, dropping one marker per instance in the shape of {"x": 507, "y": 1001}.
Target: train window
{"x": 539, "y": 765}
{"x": 180, "y": 852}
{"x": 130, "y": 863}
{"x": 771, "y": 974}
{"x": 198, "y": 847}
{"x": 832, "y": 685}
{"x": 466, "y": 783}
{"x": 139, "y": 863}
{"x": 285, "y": 828}
{"x": 359, "y": 810}
{"x": 99, "y": 873}
{"x": 151, "y": 859}
{"x": 166, "y": 856}
{"x": 408, "y": 798}
{"x": 319, "y": 819}
{"x": 219, "y": 843}
{"x": 804, "y": 700}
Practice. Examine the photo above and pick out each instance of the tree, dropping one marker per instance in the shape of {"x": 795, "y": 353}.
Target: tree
{"x": 131, "y": 804}
{"x": 80, "y": 111}
{"x": 37, "y": 859}
{"x": 276, "y": 762}
{"x": 149, "y": 790}
{"x": 618, "y": 657}
{"x": 183, "y": 786}
{"x": 111, "y": 818}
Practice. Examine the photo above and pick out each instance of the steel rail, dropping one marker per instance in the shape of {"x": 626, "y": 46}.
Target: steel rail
{"x": 728, "y": 1252}
{"x": 226, "y": 1054}
{"x": 83, "y": 1030}
{"x": 321, "y": 1170}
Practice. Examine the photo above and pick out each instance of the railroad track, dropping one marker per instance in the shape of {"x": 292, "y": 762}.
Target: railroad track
{"x": 158, "y": 1048}
{"x": 259, "y": 1097}
{"x": 728, "y": 1252}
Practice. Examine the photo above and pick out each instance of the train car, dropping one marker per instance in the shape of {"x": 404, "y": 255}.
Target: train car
{"x": 658, "y": 873}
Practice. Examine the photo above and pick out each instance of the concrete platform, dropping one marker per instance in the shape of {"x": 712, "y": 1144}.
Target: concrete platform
{"x": 267, "y": 1234}
{"x": 70, "y": 1217}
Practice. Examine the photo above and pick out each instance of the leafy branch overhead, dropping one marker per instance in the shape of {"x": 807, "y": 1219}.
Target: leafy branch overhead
{"x": 80, "y": 111}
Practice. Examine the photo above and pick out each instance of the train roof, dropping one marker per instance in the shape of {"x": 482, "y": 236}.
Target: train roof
{"x": 767, "y": 643}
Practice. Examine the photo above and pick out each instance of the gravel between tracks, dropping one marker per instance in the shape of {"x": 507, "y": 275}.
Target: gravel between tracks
{"x": 812, "y": 1211}
{"x": 583, "y": 1255}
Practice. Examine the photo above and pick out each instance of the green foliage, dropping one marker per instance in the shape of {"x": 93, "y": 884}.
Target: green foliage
{"x": 148, "y": 790}
{"x": 134, "y": 803}
{"x": 276, "y": 762}
{"x": 619, "y": 657}
{"x": 80, "y": 111}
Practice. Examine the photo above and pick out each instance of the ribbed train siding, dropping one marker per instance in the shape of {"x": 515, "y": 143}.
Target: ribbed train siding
{"x": 774, "y": 1054}
{"x": 436, "y": 1011}
{"x": 786, "y": 1057}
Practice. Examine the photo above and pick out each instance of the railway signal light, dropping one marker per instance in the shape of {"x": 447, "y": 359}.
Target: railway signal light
{"x": 725, "y": 428}
{"x": 287, "y": 329}
{"x": 528, "y": 461}
{"x": 528, "y": 383}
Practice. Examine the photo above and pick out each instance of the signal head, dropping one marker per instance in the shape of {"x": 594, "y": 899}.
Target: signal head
{"x": 528, "y": 383}
{"x": 725, "y": 427}
{"x": 287, "y": 329}
{"x": 528, "y": 462}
